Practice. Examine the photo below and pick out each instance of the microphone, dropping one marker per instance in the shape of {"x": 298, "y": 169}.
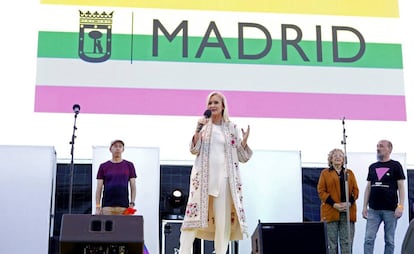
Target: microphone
{"x": 207, "y": 115}
{"x": 76, "y": 108}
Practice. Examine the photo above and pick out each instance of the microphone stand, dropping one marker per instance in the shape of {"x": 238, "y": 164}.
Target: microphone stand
{"x": 348, "y": 220}
{"x": 76, "y": 109}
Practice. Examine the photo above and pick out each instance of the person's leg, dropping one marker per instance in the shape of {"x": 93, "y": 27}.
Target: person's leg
{"x": 390, "y": 224}
{"x": 222, "y": 219}
{"x": 373, "y": 222}
{"x": 345, "y": 243}
{"x": 186, "y": 241}
{"x": 352, "y": 225}
{"x": 332, "y": 234}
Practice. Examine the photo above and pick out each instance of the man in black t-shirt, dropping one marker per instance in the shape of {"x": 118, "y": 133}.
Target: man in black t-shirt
{"x": 384, "y": 195}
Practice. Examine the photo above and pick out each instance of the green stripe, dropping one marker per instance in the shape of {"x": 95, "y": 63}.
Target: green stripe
{"x": 376, "y": 55}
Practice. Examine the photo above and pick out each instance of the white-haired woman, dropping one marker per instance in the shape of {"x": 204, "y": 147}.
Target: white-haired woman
{"x": 215, "y": 204}
{"x": 331, "y": 190}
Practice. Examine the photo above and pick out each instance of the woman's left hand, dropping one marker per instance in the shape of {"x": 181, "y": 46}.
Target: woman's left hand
{"x": 245, "y": 135}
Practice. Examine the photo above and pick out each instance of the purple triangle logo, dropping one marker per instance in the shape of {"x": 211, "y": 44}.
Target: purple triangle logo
{"x": 381, "y": 172}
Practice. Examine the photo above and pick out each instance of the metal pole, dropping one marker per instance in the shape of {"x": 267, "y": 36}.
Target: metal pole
{"x": 76, "y": 109}
{"x": 348, "y": 220}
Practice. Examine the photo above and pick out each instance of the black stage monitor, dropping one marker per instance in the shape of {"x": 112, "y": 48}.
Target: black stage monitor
{"x": 292, "y": 238}
{"x": 85, "y": 233}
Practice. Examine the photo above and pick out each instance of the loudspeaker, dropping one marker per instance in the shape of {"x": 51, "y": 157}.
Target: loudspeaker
{"x": 171, "y": 236}
{"x": 292, "y": 238}
{"x": 408, "y": 242}
{"x": 93, "y": 234}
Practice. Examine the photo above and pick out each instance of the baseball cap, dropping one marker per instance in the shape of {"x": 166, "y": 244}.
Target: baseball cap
{"x": 117, "y": 141}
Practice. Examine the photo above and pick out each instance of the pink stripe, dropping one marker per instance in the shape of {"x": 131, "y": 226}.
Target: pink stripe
{"x": 241, "y": 104}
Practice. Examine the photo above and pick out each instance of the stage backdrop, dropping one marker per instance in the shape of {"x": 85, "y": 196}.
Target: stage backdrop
{"x": 147, "y": 166}
{"x": 26, "y": 187}
{"x": 294, "y": 59}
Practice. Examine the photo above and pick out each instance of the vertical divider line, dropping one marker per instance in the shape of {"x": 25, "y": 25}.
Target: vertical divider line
{"x": 132, "y": 37}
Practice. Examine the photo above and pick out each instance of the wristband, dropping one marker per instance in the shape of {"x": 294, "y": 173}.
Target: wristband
{"x": 400, "y": 206}
{"x": 98, "y": 206}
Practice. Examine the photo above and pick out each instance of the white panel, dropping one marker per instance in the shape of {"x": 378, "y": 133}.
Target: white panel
{"x": 25, "y": 198}
{"x": 272, "y": 183}
{"x": 359, "y": 163}
{"x": 147, "y": 166}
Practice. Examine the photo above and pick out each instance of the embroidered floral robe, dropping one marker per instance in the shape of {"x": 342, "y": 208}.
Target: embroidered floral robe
{"x": 197, "y": 215}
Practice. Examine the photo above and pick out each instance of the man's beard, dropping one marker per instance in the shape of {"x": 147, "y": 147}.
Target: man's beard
{"x": 380, "y": 157}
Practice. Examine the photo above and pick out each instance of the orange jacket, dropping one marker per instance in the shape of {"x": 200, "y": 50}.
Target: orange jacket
{"x": 329, "y": 186}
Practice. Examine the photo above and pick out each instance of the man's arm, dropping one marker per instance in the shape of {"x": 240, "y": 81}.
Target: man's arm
{"x": 98, "y": 195}
{"x": 133, "y": 188}
{"x": 366, "y": 199}
{"x": 401, "y": 199}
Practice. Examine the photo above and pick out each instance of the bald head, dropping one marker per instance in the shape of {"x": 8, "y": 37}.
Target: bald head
{"x": 384, "y": 149}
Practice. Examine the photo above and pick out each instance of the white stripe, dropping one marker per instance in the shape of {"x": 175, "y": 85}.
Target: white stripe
{"x": 243, "y": 77}
{"x": 66, "y": 19}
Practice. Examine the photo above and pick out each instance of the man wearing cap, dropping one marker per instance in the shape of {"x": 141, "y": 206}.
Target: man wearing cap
{"x": 113, "y": 179}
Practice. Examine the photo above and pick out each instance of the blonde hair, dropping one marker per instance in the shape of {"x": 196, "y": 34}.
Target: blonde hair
{"x": 331, "y": 154}
{"x": 225, "y": 112}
